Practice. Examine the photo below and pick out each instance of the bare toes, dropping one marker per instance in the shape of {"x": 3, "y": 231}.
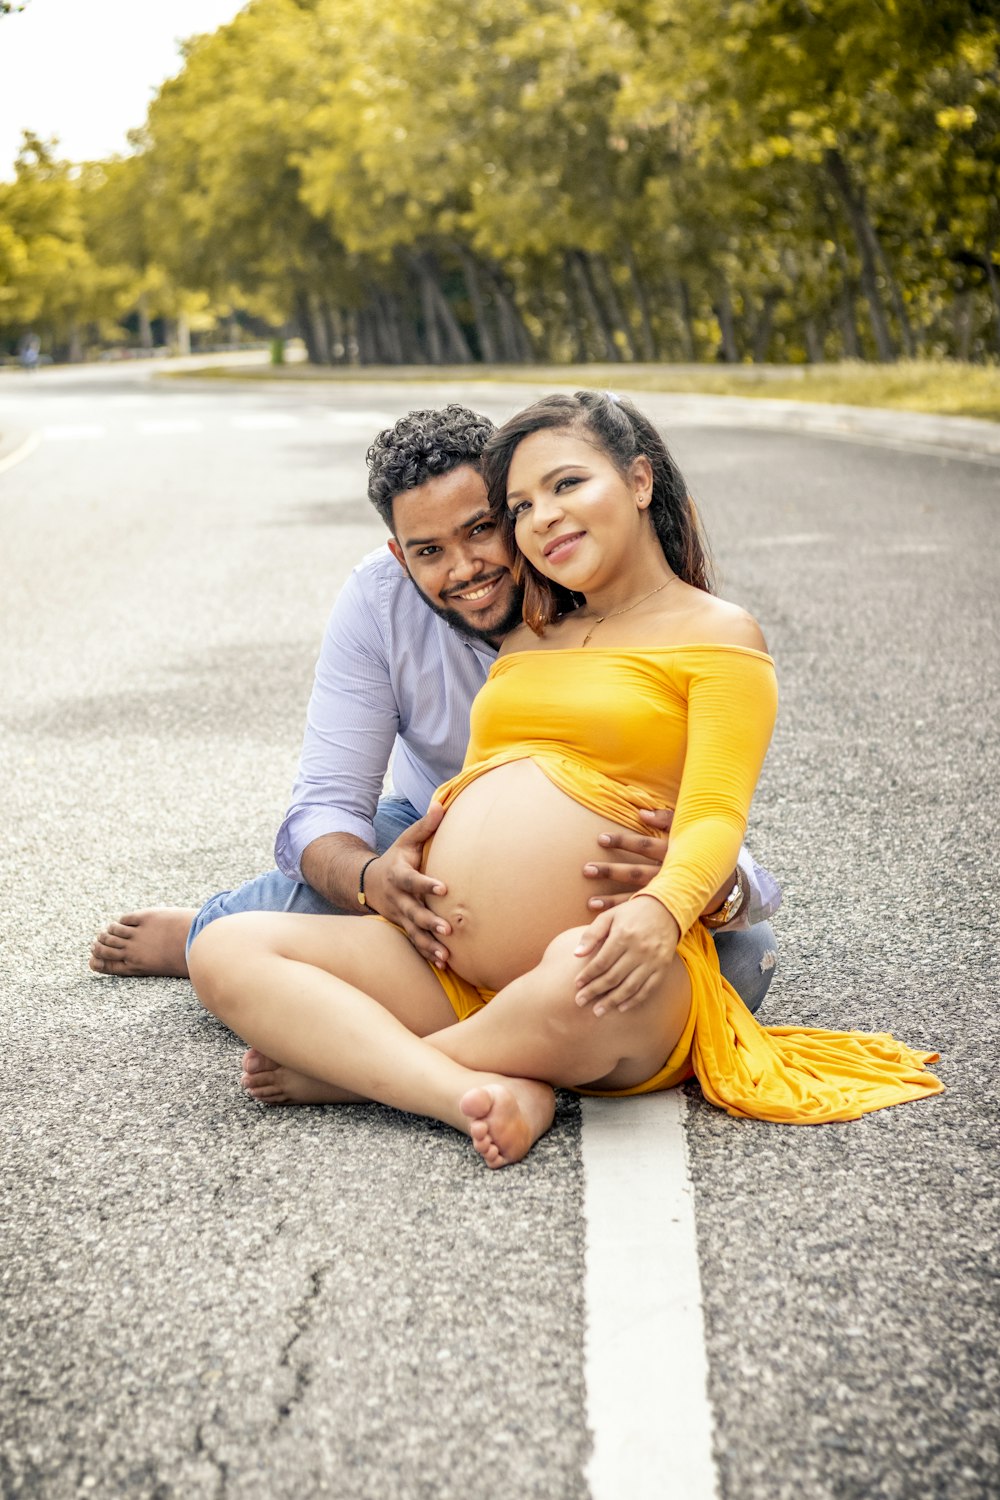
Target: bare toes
{"x": 256, "y": 1062}
{"x": 108, "y": 940}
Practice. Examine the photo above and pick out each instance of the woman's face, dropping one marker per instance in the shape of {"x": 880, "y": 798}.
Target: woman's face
{"x": 576, "y": 518}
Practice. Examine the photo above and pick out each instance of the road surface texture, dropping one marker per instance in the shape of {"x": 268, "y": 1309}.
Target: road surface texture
{"x": 202, "y": 1297}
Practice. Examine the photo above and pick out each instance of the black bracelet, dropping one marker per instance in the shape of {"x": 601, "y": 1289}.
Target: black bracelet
{"x": 362, "y": 898}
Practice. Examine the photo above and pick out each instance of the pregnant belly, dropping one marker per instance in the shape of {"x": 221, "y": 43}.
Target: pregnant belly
{"x": 511, "y": 850}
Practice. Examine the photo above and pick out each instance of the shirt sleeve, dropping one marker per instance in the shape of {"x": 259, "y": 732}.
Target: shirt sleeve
{"x": 351, "y": 726}
{"x": 732, "y": 700}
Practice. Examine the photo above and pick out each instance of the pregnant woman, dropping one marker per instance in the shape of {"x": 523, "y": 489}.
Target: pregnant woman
{"x": 630, "y": 686}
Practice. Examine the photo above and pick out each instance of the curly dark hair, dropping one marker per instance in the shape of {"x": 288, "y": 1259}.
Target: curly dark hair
{"x": 621, "y": 432}
{"x": 420, "y": 446}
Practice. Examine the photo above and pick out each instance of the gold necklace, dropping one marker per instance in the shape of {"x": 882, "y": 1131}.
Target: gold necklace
{"x": 635, "y": 605}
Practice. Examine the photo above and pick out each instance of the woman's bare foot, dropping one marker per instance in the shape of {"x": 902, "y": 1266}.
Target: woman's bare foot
{"x": 268, "y": 1081}
{"x": 507, "y": 1118}
{"x": 145, "y": 943}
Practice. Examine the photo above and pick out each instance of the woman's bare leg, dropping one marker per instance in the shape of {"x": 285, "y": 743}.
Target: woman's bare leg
{"x": 534, "y": 1028}
{"x": 292, "y": 987}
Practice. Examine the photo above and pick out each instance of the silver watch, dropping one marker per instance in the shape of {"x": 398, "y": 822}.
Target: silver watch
{"x": 730, "y": 907}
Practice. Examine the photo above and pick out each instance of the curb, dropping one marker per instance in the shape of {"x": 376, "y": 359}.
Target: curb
{"x": 968, "y": 435}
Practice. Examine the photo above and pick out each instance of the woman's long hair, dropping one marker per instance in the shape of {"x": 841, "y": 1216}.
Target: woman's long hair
{"x": 623, "y": 434}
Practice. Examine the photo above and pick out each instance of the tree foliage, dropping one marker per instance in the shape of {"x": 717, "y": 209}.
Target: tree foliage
{"x": 515, "y": 179}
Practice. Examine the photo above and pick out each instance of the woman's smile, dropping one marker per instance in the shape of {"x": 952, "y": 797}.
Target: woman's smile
{"x": 559, "y": 548}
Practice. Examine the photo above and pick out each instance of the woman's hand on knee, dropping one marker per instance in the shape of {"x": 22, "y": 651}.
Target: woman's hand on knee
{"x": 628, "y": 952}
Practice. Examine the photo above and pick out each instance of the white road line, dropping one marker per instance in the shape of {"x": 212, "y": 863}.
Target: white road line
{"x": 69, "y": 431}
{"x": 28, "y": 446}
{"x": 265, "y": 421}
{"x": 154, "y": 425}
{"x": 646, "y": 1365}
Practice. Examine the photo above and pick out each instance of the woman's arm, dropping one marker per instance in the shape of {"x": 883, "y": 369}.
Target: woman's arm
{"x": 732, "y": 698}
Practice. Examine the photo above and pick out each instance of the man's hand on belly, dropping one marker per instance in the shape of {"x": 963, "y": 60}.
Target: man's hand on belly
{"x": 645, "y": 853}
{"x": 627, "y": 953}
{"x": 396, "y": 889}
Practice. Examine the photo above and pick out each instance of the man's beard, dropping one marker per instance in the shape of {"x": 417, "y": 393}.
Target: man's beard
{"x": 458, "y": 622}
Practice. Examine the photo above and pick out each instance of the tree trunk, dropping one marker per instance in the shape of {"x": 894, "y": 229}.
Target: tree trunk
{"x": 647, "y": 340}
{"x": 601, "y": 275}
{"x": 387, "y": 311}
{"x": 409, "y": 336}
{"x": 338, "y": 336}
{"x": 869, "y": 250}
{"x": 961, "y": 315}
{"x": 578, "y": 317}
{"x": 456, "y": 343}
{"x": 765, "y": 325}
{"x": 515, "y": 343}
{"x": 898, "y": 306}
{"x": 304, "y": 320}
{"x": 329, "y": 320}
{"x": 428, "y": 310}
{"x": 814, "y": 341}
{"x": 849, "y": 335}
{"x": 578, "y": 269}
{"x": 318, "y": 316}
{"x": 145, "y": 327}
{"x": 522, "y": 338}
{"x": 484, "y": 333}
{"x": 687, "y": 320}
{"x": 994, "y": 285}
{"x": 723, "y": 309}
{"x": 183, "y": 334}
{"x": 368, "y": 344}
{"x": 848, "y": 327}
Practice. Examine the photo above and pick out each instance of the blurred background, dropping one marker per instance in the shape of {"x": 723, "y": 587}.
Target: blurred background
{"x": 414, "y": 182}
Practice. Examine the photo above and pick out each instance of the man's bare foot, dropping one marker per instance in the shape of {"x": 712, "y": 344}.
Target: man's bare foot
{"x": 144, "y": 943}
{"x": 507, "y": 1118}
{"x": 268, "y": 1081}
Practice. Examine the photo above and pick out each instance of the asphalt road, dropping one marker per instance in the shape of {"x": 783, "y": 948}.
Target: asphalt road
{"x": 201, "y": 1297}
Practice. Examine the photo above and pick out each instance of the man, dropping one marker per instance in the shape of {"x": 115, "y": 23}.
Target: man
{"x": 410, "y": 641}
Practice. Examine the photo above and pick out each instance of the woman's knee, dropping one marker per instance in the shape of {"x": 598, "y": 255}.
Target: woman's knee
{"x": 554, "y": 988}
{"x": 562, "y": 949}
{"x": 218, "y": 956}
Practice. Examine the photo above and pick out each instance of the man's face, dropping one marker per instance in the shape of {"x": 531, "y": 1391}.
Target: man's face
{"x": 448, "y": 544}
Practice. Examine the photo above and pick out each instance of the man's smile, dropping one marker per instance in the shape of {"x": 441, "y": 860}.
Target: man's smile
{"x": 478, "y": 591}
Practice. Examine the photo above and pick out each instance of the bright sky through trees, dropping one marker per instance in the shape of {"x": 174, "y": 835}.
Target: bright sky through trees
{"x": 86, "y": 72}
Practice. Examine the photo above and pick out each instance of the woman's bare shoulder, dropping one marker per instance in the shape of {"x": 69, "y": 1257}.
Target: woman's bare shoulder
{"x": 521, "y": 638}
{"x": 703, "y": 619}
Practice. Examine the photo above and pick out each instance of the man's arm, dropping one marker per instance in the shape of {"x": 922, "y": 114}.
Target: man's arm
{"x": 351, "y": 726}
{"x": 393, "y": 885}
